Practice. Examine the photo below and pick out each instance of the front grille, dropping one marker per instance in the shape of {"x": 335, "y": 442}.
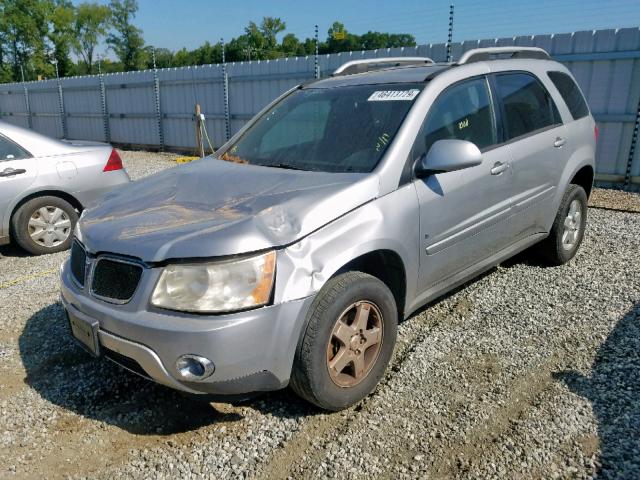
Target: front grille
{"x": 115, "y": 280}
{"x": 78, "y": 263}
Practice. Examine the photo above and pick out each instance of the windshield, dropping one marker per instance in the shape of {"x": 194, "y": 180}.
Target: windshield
{"x": 342, "y": 129}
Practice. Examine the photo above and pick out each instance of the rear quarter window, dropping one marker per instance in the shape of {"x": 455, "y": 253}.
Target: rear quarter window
{"x": 570, "y": 94}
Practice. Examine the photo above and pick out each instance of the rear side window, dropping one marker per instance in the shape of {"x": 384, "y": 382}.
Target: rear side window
{"x": 527, "y": 104}
{"x": 462, "y": 112}
{"x": 570, "y": 94}
{"x": 10, "y": 151}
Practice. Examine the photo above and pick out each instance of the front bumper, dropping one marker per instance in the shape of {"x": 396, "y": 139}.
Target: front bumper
{"x": 251, "y": 350}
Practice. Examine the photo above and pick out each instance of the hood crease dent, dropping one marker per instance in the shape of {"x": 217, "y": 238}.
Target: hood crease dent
{"x": 212, "y": 208}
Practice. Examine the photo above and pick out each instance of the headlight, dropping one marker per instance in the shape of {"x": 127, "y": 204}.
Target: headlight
{"x": 216, "y": 287}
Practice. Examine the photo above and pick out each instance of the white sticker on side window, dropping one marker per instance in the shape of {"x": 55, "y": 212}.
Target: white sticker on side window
{"x": 393, "y": 95}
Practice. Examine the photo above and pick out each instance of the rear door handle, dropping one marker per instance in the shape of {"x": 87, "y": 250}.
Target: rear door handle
{"x": 498, "y": 168}
{"x": 559, "y": 142}
{"x": 10, "y": 172}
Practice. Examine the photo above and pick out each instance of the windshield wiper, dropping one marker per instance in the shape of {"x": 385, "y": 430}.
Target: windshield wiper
{"x": 287, "y": 166}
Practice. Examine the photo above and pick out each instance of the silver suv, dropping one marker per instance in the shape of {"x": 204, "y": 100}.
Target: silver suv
{"x": 346, "y": 204}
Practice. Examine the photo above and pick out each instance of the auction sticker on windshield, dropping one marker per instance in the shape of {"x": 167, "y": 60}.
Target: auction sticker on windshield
{"x": 391, "y": 95}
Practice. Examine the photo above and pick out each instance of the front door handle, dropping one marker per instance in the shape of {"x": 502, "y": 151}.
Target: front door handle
{"x": 498, "y": 168}
{"x": 10, "y": 172}
{"x": 559, "y": 142}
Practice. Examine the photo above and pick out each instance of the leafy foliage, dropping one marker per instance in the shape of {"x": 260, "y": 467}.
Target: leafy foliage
{"x": 37, "y": 35}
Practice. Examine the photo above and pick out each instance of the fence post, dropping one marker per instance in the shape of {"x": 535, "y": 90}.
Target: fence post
{"x": 103, "y": 104}
{"x": 225, "y": 93}
{"x": 27, "y": 105}
{"x": 63, "y": 116}
{"x": 156, "y": 91}
{"x": 105, "y": 111}
{"x": 450, "y": 35}
{"x": 632, "y": 148}
{"x": 316, "y": 71}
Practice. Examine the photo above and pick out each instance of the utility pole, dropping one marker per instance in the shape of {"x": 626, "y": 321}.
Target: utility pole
{"x": 450, "y": 37}
{"x": 317, "y": 65}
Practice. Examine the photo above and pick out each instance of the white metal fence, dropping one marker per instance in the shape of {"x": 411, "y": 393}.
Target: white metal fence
{"x": 154, "y": 109}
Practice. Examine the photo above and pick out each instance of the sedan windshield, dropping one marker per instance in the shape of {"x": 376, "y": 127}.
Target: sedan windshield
{"x": 342, "y": 129}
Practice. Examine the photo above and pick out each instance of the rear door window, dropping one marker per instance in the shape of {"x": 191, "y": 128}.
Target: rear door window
{"x": 528, "y": 107}
{"x": 11, "y": 151}
{"x": 463, "y": 112}
{"x": 570, "y": 93}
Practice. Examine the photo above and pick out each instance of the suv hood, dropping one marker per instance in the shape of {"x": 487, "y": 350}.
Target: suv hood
{"x": 213, "y": 208}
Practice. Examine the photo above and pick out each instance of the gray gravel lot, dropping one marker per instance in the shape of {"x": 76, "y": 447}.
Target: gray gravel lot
{"x": 526, "y": 372}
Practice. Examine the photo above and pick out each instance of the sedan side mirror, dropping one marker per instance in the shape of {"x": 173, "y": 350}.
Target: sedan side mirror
{"x": 448, "y": 156}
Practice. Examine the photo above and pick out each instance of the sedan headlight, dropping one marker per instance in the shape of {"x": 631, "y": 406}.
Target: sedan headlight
{"x": 216, "y": 287}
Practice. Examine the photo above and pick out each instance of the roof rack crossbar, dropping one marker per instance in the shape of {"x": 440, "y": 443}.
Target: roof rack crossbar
{"x": 494, "y": 53}
{"x": 361, "y": 66}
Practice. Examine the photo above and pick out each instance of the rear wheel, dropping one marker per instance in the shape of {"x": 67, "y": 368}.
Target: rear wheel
{"x": 568, "y": 228}
{"x": 348, "y": 342}
{"x": 44, "y": 225}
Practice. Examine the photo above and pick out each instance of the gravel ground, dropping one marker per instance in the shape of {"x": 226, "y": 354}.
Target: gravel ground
{"x": 526, "y": 372}
{"x": 615, "y": 200}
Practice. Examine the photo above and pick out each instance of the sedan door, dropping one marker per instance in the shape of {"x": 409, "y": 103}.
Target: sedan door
{"x": 17, "y": 172}
{"x": 463, "y": 214}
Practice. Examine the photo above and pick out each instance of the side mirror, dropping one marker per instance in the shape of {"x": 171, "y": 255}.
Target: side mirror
{"x": 448, "y": 156}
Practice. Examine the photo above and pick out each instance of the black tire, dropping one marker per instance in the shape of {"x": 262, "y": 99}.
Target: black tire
{"x": 552, "y": 250}
{"x": 310, "y": 377}
{"x": 20, "y": 228}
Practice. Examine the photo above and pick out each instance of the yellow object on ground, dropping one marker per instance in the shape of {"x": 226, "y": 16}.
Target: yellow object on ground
{"x": 186, "y": 159}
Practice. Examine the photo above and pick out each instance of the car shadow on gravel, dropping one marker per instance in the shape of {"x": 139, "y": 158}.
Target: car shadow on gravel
{"x": 12, "y": 251}
{"x": 613, "y": 388}
{"x": 65, "y": 375}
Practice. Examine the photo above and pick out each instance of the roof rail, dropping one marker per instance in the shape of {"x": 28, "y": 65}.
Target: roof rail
{"x": 361, "y": 66}
{"x": 496, "y": 53}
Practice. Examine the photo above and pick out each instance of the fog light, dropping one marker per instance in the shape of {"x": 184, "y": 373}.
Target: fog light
{"x": 194, "y": 367}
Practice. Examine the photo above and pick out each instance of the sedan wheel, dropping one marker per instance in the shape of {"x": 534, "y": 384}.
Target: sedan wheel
{"x": 44, "y": 225}
{"x": 49, "y": 226}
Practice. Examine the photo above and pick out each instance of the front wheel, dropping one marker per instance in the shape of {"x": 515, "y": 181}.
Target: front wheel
{"x": 348, "y": 342}
{"x": 568, "y": 228}
{"x": 44, "y": 225}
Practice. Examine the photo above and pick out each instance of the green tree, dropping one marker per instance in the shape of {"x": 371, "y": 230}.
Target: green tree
{"x": 256, "y": 42}
{"x": 164, "y": 57}
{"x": 126, "y": 41}
{"x": 373, "y": 40}
{"x": 62, "y": 35}
{"x": 239, "y": 49}
{"x": 339, "y": 40}
{"x": 24, "y": 27}
{"x": 91, "y": 24}
{"x": 291, "y": 45}
{"x": 270, "y": 28}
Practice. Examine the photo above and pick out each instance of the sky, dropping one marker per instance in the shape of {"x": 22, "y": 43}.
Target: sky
{"x": 175, "y": 24}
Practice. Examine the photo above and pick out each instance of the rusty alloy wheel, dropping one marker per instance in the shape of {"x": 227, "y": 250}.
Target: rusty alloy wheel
{"x": 354, "y": 344}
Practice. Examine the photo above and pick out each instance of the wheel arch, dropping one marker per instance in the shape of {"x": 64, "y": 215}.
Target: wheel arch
{"x": 584, "y": 177}
{"x": 387, "y": 266}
